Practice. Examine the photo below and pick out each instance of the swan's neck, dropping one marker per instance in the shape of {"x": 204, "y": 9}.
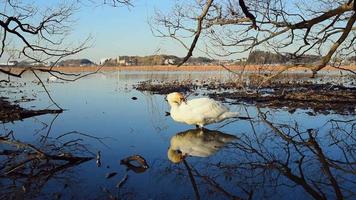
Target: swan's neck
{"x": 174, "y": 105}
{"x": 174, "y": 146}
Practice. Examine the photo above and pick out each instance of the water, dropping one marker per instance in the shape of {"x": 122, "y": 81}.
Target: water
{"x": 277, "y": 155}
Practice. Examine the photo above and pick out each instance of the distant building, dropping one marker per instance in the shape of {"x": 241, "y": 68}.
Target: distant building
{"x": 37, "y": 64}
{"x": 13, "y": 62}
{"x": 76, "y": 62}
{"x": 170, "y": 61}
{"x": 103, "y": 61}
{"x": 127, "y": 60}
{"x": 9, "y": 63}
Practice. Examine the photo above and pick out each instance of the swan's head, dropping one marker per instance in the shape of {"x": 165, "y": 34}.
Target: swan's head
{"x": 175, "y": 98}
{"x": 175, "y": 156}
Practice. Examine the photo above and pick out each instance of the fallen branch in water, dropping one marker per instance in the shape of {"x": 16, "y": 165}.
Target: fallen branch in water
{"x": 140, "y": 168}
{"x": 13, "y": 112}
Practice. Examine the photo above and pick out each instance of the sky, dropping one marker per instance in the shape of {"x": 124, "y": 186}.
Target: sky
{"x": 114, "y": 31}
{"x": 117, "y": 31}
{"x": 122, "y": 31}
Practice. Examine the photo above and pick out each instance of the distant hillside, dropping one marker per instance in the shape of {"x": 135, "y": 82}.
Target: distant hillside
{"x": 76, "y": 62}
{"x": 154, "y": 60}
{"x": 255, "y": 58}
{"x": 157, "y": 60}
{"x": 263, "y": 57}
{"x": 352, "y": 59}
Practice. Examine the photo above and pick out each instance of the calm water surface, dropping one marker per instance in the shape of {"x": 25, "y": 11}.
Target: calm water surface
{"x": 276, "y": 155}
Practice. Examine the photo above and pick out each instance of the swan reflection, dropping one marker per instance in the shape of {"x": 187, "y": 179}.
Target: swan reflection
{"x": 197, "y": 142}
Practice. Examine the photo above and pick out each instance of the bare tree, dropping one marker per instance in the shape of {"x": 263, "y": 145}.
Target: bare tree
{"x": 40, "y": 33}
{"x": 292, "y": 28}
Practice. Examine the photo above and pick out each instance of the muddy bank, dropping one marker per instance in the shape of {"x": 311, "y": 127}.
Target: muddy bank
{"x": 10, "y": 112}
{"x": 321, "y": 98}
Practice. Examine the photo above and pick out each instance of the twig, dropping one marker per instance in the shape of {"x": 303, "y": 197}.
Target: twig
{"x": 44, "y": 87}
{"x": 198, "y": 31}
{"x": 192, "y": 180}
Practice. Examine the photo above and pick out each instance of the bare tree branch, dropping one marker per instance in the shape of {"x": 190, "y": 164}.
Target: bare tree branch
{"x": 198, "y": 32}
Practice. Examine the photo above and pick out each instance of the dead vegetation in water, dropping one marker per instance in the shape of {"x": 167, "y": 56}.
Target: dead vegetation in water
{"x": 165, "y": 87}
{"x": 321, "y": 98}
{"x": 26, "y": 168}
{"x": 10, "y": 112}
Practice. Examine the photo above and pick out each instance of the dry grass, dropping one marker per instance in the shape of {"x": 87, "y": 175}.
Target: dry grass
{"x": 187, "y": 68}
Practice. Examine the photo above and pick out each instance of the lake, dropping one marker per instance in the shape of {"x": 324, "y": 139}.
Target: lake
{"x": 277, "y": 154}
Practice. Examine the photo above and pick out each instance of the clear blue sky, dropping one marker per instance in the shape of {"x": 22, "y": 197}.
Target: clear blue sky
{"x": 114, "y": 31}
{"x": 122, "y": 31}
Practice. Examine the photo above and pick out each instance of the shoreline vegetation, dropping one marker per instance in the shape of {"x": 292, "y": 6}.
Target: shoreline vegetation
{"x": 235, "y": 68}
{"x": 288, "y": 91}
{"x": 322, "y": 98}
{"x": 10, "y": 111}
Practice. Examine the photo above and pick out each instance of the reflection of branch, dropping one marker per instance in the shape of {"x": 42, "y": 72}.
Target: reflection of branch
{"x": 217, "y": 187}
{"x": 84, "y": 134}
{"x": 300, "y": 181}
{"x": 278, "y": 131}
{"x": 325, "y": 166}
{"x": 192, "y": 180}
{"x": 44, "y": 87}
{"x": 40, "y": 154}
{"x": 315, "y": 149}
{"x": 33, "y": 166}
{"x": 276, "y": 155}
{"x": 44, "y": 138}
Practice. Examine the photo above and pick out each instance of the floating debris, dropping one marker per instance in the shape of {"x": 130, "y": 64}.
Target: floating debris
{"x": 123, "y": 181}
{"x": 98, "y": 159}
{"x": 140, "y": 168}
{"x": 134, "y": 98}
{"x": 110, "y": 196}
{"x": 110, "y": 175}
{"x": 164, "y": 88}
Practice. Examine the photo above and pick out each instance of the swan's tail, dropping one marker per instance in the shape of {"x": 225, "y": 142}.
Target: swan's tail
{"x": 230, "y": 115}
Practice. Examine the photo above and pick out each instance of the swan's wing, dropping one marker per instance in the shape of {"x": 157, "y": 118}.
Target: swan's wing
{"x": 206, "y": 107}
{"x": 191, "y": 144}
{"x": 218, "y": 137}
{"x": 201, "y": 143}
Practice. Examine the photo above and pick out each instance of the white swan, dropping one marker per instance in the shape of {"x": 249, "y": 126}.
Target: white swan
{"x": 199, "y": 112}
{"x": 197, "y": 142}
{"x": 51, "y": 79}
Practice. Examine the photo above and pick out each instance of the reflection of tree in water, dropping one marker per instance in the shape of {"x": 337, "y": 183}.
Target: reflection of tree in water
{"x": 26, "y": 169}
{"x": 285, "y": 159}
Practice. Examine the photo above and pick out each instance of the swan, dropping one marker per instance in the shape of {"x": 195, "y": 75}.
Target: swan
{"x": 199, "y": 112}
{"x": 197, "y": 142}
{"x": 51, "y": 79}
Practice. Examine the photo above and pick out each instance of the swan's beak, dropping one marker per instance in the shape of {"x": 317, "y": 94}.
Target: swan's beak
{"x": 181, "y": 155}
{"x": 183, "y": 99}
{"x": 184, "y": 156}
{"x": 165, "y": 98}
